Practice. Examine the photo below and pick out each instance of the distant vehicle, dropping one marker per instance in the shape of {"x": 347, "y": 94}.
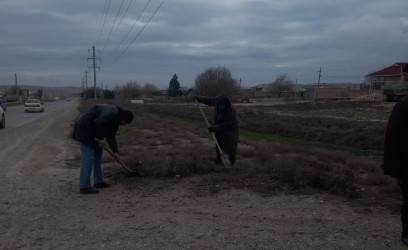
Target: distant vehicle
{"x": 69, "y": 99}
{"x": 395, "y": 92}
{"x": 33, "y": 105}
{"x": 3, "y": 105}
{"x": 3, "y": 118}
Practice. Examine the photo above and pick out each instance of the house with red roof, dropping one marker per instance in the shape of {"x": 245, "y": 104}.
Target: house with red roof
{"x": 396, "y": 73}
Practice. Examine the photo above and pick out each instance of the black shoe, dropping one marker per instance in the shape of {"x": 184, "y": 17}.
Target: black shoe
{"x": 89, "y": 190}
{"x": 101, "y": 185}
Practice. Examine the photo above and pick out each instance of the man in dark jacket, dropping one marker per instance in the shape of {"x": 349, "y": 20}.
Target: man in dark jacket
{"x": 396, "y": 156}
{"x": 225, "y": 125}
{"x": 92, "y": 127}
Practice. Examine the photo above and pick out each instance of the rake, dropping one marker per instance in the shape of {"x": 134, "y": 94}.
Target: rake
{"x": 117, "y": 160}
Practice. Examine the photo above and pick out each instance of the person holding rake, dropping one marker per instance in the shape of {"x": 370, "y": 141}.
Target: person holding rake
{"x": 225, "y": 125}
{"x": 92, "y": 127}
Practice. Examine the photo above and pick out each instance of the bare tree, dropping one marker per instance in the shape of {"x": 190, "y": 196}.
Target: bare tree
{"x": 90, "y": 93}
{"x": 281, "y": 83}
{"x": 149, "y": 89}
{"x": 131, "y": 90}
{"x": 215, "y": 81}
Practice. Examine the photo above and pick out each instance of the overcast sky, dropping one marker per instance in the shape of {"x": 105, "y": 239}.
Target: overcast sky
{"x": 48, "y": 42}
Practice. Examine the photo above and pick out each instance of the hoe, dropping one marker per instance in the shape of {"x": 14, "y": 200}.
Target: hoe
{"x": 224, "y": 157}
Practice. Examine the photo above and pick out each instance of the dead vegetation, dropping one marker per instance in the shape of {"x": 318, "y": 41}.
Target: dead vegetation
{"x": 335, "y": 123}
{"x": 163, "y": 143}
{"x": 373, "y": 97}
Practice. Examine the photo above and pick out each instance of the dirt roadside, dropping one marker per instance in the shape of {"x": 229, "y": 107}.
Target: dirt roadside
{"x": 41, "y": 207}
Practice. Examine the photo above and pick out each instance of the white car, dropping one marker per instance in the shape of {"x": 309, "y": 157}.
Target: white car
{"x": 33, "y": 105}
{"x": 3, "y": 118}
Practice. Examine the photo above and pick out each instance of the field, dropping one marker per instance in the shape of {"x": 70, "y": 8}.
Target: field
{"x": 307, "y": 176}
{"x": 330, "y": 147}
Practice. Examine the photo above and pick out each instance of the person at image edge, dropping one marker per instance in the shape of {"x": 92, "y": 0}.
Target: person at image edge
{"x": 396, "y": 156}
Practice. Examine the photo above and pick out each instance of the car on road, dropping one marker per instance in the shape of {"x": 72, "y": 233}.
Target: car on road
{"x": 33, "y": 105}
{"x": 3, "y": 105}
{"x": 3, "y": 118}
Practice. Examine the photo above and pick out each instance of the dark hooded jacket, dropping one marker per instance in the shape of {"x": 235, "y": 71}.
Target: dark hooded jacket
{"x": 225, "y": 125}
{"x": 396, "y": 142}
{"x": 101, "y": 121}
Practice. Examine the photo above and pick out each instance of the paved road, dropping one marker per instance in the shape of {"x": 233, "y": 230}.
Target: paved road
{"x": 16, "y": 117}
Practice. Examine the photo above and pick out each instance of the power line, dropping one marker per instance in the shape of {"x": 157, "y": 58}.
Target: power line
{"x": 342, "y": 76}
{"x": 110, "y": 32}
{"x": 100, "y": 22}
{"x": 104, "y": 20}
{"x": 137, "y": 19}
{"x": 325, "y": 76}
{"x": 144, "y": 26}
{"x": 121, "y": 20}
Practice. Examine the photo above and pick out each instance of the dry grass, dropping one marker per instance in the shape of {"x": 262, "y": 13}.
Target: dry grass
{"x": 161, "y": 146}
{"x": 352, "y": 124}
{"x": 373, "y": 97}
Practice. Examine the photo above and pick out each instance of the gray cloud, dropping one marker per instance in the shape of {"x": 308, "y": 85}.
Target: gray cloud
{"x": 47, "y": 42}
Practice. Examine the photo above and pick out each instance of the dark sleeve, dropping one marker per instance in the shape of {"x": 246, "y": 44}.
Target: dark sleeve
{"x": 112, "y": 143}
{"x": 210, "y": 101}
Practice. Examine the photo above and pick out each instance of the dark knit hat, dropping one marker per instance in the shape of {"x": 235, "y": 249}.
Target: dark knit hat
{"x": 222, "y": 99}
{"x": 127, "y": 116}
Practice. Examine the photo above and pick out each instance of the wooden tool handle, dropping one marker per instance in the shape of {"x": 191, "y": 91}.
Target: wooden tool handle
{"x": 208, "y": 125}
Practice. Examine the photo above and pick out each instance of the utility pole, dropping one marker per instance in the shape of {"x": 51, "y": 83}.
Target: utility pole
{"x": 17, "y": 90}
{"x": 86, "y": 79}
{"x": 94, "y": 67}
{"x": 320, "y": 74}
{"x": 83, "y": 85}
{"x": 295, "y": 89}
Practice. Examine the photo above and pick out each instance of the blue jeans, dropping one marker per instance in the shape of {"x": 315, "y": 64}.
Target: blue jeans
{"x": 90, "y": 158}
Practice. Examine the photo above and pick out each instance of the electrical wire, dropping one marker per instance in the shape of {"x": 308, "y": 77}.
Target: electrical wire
{"x": 100, "y": 22}
{"x": 141, "y": 30}
{"x": 137, "y": 19}
{"x": 121, "y": 20}
{"x": 104, "y": 20}
{"x": 110, "y": 32}
{"x": 342, "y": 76}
